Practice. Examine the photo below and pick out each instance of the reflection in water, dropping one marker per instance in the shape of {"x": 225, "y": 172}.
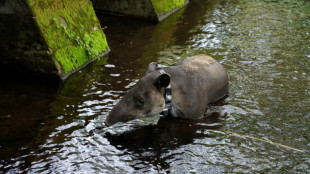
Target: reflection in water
{"x": 264, "y": 45}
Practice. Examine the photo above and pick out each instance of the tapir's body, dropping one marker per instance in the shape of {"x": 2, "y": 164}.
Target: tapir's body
{"x": 196, "y": 82}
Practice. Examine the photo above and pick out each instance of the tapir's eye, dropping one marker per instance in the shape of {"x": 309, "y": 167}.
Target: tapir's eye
{"x": 140, "y": 101}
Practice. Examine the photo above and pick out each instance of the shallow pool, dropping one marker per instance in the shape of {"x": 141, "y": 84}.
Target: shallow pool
{"x": 262, "y": 127}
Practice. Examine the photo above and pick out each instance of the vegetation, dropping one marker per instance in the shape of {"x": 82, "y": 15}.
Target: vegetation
{"x": 164, "y": 6}
{"x": 71, "y": 31}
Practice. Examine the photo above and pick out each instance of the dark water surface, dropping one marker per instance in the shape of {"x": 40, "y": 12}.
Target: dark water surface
{"x": 265, "y": 47}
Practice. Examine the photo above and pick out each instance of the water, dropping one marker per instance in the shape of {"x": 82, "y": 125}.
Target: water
{"x": 265, "y": 47}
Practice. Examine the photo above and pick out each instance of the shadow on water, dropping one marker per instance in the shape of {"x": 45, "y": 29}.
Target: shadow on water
{"x": 24, "y": 99}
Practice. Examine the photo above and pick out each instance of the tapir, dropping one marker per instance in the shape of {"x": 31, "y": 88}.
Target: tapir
{"x": 198, "y": 81}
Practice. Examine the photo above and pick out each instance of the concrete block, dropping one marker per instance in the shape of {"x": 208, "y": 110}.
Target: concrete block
{"x": 53, "y": 37}
{"x": 153, "y": 10}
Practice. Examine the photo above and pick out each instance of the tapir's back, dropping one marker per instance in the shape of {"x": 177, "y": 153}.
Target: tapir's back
{"x": 195, "y": 63}
{"x": 198, "y": 81}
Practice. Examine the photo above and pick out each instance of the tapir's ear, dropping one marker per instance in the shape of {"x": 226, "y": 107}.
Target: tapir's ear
{"x": 162, "y": 81}
{"x": 152, "y": 67}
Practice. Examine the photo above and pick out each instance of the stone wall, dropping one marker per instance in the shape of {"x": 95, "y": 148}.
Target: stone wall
{"x": 53, "y": 37}
{"x": 153, "y": 10}
{"x": 21, "y": 42}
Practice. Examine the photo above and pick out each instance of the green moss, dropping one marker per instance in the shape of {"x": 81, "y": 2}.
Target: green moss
{"x": 71, "y": 30}
{"x": 68, "y": 57}
{"x": 164, "y": 6}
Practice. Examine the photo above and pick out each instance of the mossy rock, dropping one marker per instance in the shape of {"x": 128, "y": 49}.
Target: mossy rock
{"x": 153, "y": 10}
{"x": 71, "y": 31}
{"x": 165, "y": 6}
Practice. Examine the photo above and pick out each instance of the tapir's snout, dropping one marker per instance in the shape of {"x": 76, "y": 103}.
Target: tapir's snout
{"x": 117, "y": 114}
{"x": 112, "y": 119}
{"x": 107, "y": 123}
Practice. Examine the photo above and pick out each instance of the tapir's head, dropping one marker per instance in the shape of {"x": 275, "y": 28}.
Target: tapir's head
{"x": 145, "y": 99}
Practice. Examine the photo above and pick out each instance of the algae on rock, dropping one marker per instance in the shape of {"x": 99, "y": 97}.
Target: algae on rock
{"x": 164, "y": 6}
{"x": 71, "y": 31}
